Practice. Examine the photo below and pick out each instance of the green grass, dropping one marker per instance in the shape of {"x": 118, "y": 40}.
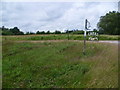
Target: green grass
{"x": 57, "y": 37}
{"x": 59, "y": 65}
{"x": 109, "y": 37}
{"x": 0, "y": 62}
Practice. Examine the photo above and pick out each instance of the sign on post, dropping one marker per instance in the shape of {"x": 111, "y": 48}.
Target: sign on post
{"x": 93, "y": 36}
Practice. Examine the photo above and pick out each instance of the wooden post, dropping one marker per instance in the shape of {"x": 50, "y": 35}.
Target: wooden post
{"x": 68, "y": 34}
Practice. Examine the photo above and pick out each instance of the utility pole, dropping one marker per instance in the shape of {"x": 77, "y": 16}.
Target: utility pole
{"x": 84, "y": 48}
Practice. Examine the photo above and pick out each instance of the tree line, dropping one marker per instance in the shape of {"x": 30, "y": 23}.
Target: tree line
{"x": 16, "y": 31}
{"x": 11, "y": 31}
{"x": 108, "y": 24}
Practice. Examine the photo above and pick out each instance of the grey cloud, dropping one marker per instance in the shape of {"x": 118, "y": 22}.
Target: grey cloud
{"x": 53, "y": 15}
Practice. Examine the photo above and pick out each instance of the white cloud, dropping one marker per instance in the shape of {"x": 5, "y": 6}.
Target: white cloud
{"x": 32, "y": 16}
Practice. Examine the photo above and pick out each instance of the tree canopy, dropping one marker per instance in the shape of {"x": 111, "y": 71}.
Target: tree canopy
{"x": 11, "y": 31}
{"x": 109, "y": 24}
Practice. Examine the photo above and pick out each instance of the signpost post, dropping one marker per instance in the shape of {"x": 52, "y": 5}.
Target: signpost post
{"x": 85, "y": 37}
{"x": 85, "y": 31}
{"x": 68, "y": 34}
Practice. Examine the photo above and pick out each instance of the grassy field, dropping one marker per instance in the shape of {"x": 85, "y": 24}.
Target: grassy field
{"x": 59, "y": 64}
{"x": 57, "y": 37}
{"x": 1, "y": 62}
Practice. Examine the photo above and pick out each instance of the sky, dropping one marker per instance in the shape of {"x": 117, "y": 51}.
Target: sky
{"x": 39, "y": 16}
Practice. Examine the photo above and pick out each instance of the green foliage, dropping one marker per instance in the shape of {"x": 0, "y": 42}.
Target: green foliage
{"x": 109, "y": 24}
{"x": 48, "y": 32}
{"x": 78, "y": 32}
{"x": 12, "y": 31}
{"x": 108, "y": 37}
{"x": 58, "y": 37}
{"x": 38, "y": 32}
{"x": 56, "y": 65}
{"x": 57, "y": 32}
{"x": 47, "y": 68}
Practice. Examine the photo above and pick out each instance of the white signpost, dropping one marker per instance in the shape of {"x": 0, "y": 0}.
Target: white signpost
{"x": 93, "y": 35}
{"x": 85, "y": 31}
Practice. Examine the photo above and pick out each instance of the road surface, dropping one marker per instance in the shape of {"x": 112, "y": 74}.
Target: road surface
{"x": 42, "y": 41}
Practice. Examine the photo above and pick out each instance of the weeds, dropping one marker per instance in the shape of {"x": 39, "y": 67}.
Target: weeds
{"x": 58, "y": 65}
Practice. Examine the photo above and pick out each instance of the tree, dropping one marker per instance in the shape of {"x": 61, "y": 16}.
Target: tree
{"x": 69, "y": 31}
{"x": 109, "y": 24}
{"x": 6, "y": 31}
{"x": 32, "y": 33}
{"x": 21, "y": 33}
{"x": 38, "y": 32}
{"x": 12, "y": 31}
{"x": 42, "y": 32}
{"x": 57, "y": 32}
{"x": 48, "y": 32}
{"x": 27, "y": 33}
{"x": 15, "y": 30}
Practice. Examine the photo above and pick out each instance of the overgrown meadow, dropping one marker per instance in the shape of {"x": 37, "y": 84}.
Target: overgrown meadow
{"x": 59, "y": 64}
{"x": 58, "y": 37}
